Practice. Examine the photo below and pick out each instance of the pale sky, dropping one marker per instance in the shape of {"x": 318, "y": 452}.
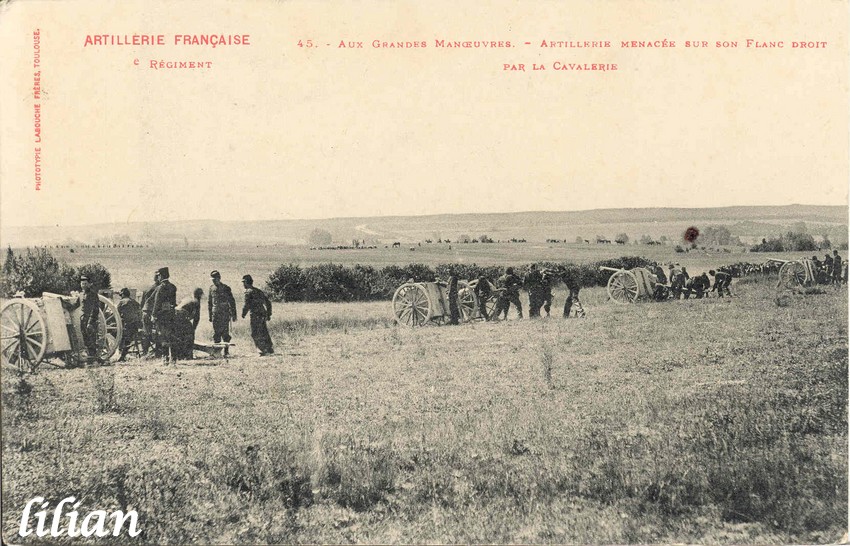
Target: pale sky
{"x": 275, "y": 131}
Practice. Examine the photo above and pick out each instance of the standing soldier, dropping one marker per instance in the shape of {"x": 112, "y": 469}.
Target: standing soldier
{"x": 222, "y": 309}
{"x": 509, "y": 283}
{"x": 131, "y": 318}
{"x": 837, "y": 267}
{"x": 533, "y": 283}
{"x": 827, "y": 266}
{"x": 147, "y": 321}
{"x": 89, "y": 318}
{"x": 549, "y": 277}
{"x": 483, "y": 290}
{"x": 451, "y": 290}
{"x": 677, "y": 281}
{"x": 573, "y": 283}
{"x": 258, "y": 304}
{"x": 164, "y": 302}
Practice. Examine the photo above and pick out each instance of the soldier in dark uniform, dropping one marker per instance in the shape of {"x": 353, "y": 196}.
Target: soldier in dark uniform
{"x": 222, "y": 309}
{"x": 697, "y": 285}
{"x": 148, "y": 339}
{"x": 258, "y": 304}
{"x": 187, "y": 316}
{"x": 549, "y": 278}
{"x": 164, "y": 302}
{"x": 722, "y": 280}
{"x": 533, "y": 284}
{"x": 837, "y": 267}
{"x": 827, "y": 266}
{"x": 451, "y": 293}
{"x": 677, "y": 281}
{"x": 483, "y": 290}
{"x": 89, "y": 318}
{"x": 573, "y": 284}
{"x": 131, "y": 318}
{"x": 509, "y": 283}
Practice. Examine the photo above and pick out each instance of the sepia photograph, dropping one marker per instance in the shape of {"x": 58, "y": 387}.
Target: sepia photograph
{"x": 405, "y": 272}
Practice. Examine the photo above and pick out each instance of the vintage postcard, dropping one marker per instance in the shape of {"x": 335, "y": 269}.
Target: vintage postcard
{"x": 377, "y": 271}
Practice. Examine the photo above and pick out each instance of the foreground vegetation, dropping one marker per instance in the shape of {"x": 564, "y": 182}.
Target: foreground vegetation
{"x": 711, "y": 421}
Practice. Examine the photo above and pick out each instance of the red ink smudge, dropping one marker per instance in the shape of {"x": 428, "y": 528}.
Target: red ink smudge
{"x": 691, "y": 234}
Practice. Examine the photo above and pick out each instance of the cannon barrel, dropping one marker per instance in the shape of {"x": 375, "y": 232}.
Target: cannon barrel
{"x": 778, "y": 260}
{"x": 606, "y": 268}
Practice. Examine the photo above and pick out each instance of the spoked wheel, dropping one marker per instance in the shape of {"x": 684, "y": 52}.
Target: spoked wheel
{"x": 109, "y": 329}
{"x": 24, "y": 337}
{"x": 411, "y": 305}
{"x": 623, "y": 287}
{"x": 468, "y": 302}
{"x": 491, "y": 303}
{"x": 791, "y": 275}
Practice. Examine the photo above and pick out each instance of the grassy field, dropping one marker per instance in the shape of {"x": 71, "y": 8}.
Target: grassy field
{"x": 716, "y": 421}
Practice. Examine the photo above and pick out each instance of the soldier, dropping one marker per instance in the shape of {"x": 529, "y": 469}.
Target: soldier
{"x": 533, "y": 283}
{"x": 147, "y": 322}
{"x": 258, "y": 304}
{"x": 451, "y": 293}
{"x": 164, "y": 302}
{"x": 722, "y": 280}
{"x": 222, "y": 309}
{"x": 827, "y": 266}
{"x": 89, "y": 318}
{"x": 697, "y": 285}
{"x": 837, "y": 267}
{"x": 677, "y": 281}
{"x": 186, "y": 319}
{"x": 509, "y": 283}
{"x": 131, "y": 318}
{"x": 549, "y": 278}
{"x": 483, "y": 290}
{"x": 573, "y": 283}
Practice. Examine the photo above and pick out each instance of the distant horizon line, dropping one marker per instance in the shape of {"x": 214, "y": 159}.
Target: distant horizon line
{"x": 328, "y": 218}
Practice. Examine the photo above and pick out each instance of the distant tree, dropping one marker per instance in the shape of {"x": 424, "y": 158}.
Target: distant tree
{"x": 579, "y": 240}
{"x": 485, "y": 239}
{"x": 646, "y": 239}
{"x": 98, "y": 275}
{"x": 825, "y": 242}
{"x": 622, "y": 238}
{"x": 463, "y": 239}
{"x": 716, "y": 235}
{"x": 320, "y": 237}
{"x": 34, "y": 273}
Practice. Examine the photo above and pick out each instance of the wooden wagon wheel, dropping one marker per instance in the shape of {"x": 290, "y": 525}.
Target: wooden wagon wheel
{"x": 467, "y": 302}
{"x": 109, "y": 329}
{"x": 24, "y": 337}
{"x": 792, "y": 274}
{"x": 623, "y": 287}
{"x": 411, "y": 305}
{"x": 491, "y": 303}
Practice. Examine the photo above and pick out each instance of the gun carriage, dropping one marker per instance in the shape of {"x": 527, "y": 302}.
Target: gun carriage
{"x": 48, "y": 329}
{"x": 630, "y": 285}
{"x": 794, "y": 273}
{"x": 420, "y": 303}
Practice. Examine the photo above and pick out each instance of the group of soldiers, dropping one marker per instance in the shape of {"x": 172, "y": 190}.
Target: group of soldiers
{"x": 538, "y": 283}
{"x": 677, "y": 283}
{"x": 167, "y": 329}
{"x": 830, "y": 270}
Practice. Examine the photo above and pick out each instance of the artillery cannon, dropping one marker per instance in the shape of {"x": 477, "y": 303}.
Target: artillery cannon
{"x": 420, "y": 303}
{"x": 795, "y": 272}
{"x": 45, "y": 328}
{"x": 630, "y": 285}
